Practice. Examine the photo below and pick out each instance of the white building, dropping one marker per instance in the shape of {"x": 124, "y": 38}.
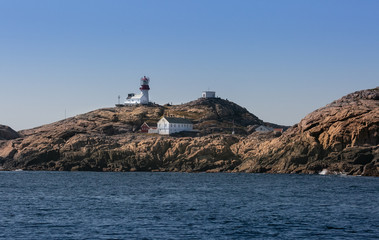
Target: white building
{"x": 263, "y": 128}
{"x": 143, "y": 97}
{"x": 208, "y": 94}
{"x": 169, "y": 125}
{"x": 153, "y": 130}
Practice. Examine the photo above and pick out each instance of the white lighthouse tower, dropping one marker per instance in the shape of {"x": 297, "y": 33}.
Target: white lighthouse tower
{"x": 143, "y": 97}
{"x": 145, "y": 90}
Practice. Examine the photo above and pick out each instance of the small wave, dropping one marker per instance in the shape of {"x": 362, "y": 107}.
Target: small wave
{"x": 327, "y": 172}
{"x": 324, "y": 171}
{"x": 18, "y": 170}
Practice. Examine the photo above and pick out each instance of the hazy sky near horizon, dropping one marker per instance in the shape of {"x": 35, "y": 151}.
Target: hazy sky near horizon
{"x": 279, "y": 59}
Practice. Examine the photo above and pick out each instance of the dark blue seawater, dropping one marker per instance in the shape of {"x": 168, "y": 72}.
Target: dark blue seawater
{"x": 90, "y": 205}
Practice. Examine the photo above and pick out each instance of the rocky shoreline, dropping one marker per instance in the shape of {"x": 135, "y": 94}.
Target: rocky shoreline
{"x": 341, "y": 137}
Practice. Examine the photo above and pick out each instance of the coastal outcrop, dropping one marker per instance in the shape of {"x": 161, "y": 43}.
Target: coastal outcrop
{"x": 133, "y": 152}
{"x": 109, "y": 140}
{"x": 341, "y": 137}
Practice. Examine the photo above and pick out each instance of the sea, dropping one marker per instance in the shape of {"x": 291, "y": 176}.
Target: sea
{"x": 144, "y": 205}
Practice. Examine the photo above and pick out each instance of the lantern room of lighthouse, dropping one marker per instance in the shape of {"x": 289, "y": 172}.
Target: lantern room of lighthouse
{"x": 143, "y": 97}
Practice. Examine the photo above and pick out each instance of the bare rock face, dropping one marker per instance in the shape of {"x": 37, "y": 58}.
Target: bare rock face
{"x": 108, "y": 140}
{"x": 341, "y": 137}
{"x": 131, "y": 152}
{"x": 7, "y": 133}
{"x": 216, "y": 115}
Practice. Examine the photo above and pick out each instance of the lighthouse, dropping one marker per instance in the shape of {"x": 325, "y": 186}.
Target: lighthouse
{"x": 144, "y": 90}
{"x": 143, "y": 97}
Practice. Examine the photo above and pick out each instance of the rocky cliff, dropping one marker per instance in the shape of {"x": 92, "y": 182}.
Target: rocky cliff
{"x": 342, "y": 137}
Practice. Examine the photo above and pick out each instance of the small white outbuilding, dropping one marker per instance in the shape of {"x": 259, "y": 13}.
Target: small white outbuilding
{"x": 263, "y": 128}
{"x": 208, "y": 94}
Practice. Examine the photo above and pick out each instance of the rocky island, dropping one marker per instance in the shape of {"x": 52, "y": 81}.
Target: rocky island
{"x": 341, "y": 137}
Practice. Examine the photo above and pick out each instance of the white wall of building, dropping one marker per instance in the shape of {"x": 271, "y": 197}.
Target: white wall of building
{"x": 142, "y": 98}
{"x": 153, "y": 130}
{"x": 166, "y": 128}
{"x": 163, "y": 127}
{"x": 208, "y": 94}
{"x": 264, "y": 129}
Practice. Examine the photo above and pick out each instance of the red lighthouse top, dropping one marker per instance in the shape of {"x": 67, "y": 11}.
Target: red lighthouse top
{"x": 145, "y": 83}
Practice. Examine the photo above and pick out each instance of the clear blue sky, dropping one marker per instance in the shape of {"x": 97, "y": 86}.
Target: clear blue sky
{"x": 279, "y": 59}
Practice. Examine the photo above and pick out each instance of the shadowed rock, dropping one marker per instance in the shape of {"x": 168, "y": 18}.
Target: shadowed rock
{"x": 7, "y": 133}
